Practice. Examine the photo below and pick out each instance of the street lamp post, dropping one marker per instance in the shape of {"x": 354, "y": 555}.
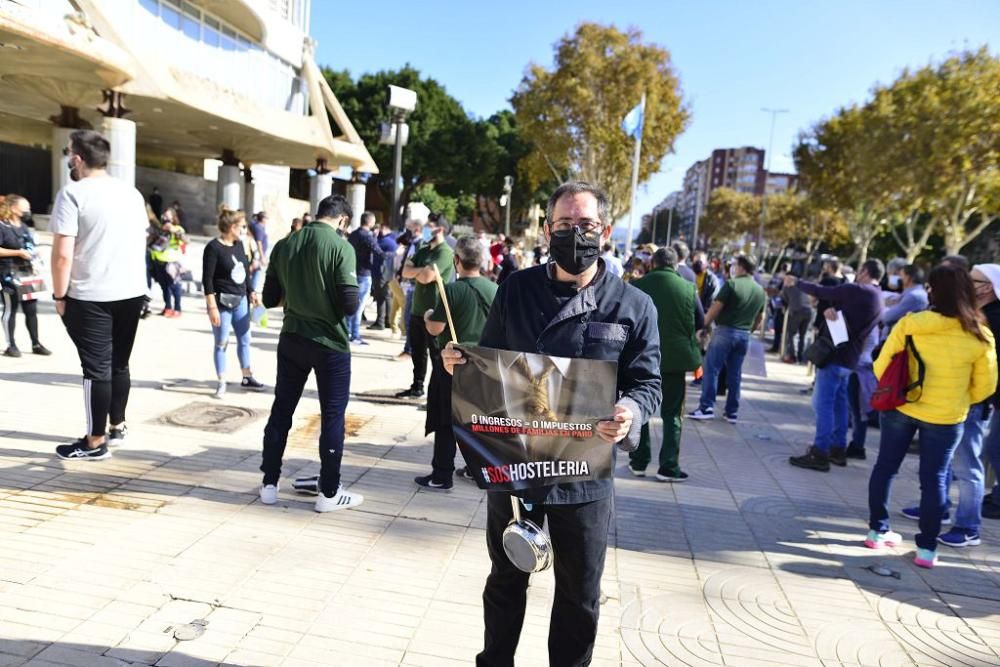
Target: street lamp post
{"x": 508, "y": 187}
{"x": 402, "y": 101}
{"x": 767, "y": 173}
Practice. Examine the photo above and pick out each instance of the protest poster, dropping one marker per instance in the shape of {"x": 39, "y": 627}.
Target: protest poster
{"x": 526, "y": 420}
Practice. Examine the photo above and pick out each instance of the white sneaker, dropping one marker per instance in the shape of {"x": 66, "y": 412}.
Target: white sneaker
{"x": 220, "y": 390}
{"x": 341, "y": 501}
{"x": 269, "y": 494}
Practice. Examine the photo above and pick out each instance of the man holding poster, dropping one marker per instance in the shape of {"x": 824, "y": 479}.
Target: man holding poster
{"x": 569, "y": 365}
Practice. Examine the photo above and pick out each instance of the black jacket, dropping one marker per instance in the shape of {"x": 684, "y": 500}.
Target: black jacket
{"x": 366, "y": 250}
{"x": 992, "y": 313}
{"x": 608, "y": 320}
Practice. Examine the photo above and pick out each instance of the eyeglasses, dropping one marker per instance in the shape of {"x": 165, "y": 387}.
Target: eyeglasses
{"x": 585, "y": 225}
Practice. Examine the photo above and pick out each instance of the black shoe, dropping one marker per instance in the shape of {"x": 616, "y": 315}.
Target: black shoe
{"x": 991, "y": 511}
{"x": 853, "y": 452}
{"x": 463, "y": 473}
{"x": 428, "y": 482}
{"x": 116, "y": 436}
{"x": 838, "y": 456}
{"x": 671, "y": 477}
{"x": 375, "y": 327}
{"x": 251, "y": 384}
{"x": 12, "y": 352}
{"x": 412, "y": 392}
{"x": 307, "y": 485}
{"x": 79, "y": 450}
{"x": 813, "y": 459}
{"x": 38, "y": 348}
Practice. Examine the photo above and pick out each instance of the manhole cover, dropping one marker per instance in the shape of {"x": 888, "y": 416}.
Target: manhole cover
{"x": 209, "y": 417}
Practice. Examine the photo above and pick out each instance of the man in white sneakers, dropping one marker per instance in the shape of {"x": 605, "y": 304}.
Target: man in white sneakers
{"x": 98, "y": 230}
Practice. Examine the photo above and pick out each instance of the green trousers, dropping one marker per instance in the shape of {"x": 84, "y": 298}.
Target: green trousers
{"x": 672, "y": 411}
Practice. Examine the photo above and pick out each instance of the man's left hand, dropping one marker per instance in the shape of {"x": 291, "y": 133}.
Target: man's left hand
{"x": 830, "y": 314}
{"x": 618, "y": 427}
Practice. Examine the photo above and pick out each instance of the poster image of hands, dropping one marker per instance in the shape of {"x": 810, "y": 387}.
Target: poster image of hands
{"x": 526, "y": 420}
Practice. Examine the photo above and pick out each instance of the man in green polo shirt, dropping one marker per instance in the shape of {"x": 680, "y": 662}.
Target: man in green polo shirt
{"x": 469, "y": 299}
{"x": 679, "y": 316}
{"x": 420, "y": 268}
{"x": 312, "y": 275}
{"x": 738, "y": 309}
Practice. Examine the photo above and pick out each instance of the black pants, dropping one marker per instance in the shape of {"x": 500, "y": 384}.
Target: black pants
{"x": 421, "y": 344}
{"x": 297, "y": 357}
{"x": 439, "y": 421}
{"x": 779, "y": 327}
{"x": 10, "y": 305}
{"x": 579, "y": 541}
{"x": 380, "y": 294}
{"x": 104, "y": 332}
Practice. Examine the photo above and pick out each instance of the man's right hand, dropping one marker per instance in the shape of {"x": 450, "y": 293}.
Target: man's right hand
{"x": 451, "y": 357}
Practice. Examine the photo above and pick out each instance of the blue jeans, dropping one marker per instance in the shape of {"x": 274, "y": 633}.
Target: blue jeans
{"x": 991, "y": 451}
{"x": 937, "y": 445}
{"x": 354, "y": 321}
{"x": 831, "y": 407}
{"x": 967, "y": 469}
{"x": 728, "y": 348}
{"x": 859, "y": 413}
{"x": 297, "y": 357}
{"x": 237, "y": 319}
{"x": 171, "y": 290}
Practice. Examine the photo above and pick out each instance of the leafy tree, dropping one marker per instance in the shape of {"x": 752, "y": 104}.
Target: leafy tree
{"x": 572, "y": 114}
{"x": 947, "y": 119}
{"x": 729, "y": 215}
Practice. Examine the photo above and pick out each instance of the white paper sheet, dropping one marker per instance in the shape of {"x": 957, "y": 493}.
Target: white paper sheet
{"x": 838, "y": 329}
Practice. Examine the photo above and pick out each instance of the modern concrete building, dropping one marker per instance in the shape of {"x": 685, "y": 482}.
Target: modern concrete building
{"x": 183, "y": 89}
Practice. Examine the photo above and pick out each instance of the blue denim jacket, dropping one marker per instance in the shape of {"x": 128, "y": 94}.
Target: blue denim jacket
{"x": 608, "y": 320}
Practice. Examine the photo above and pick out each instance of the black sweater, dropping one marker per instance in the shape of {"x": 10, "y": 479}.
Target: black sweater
{"x": 225, "y": 269}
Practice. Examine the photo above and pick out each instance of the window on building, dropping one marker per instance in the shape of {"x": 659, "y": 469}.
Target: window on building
{"x": 151, "y": 6}
{"x": 210, "y": 32}
{"x": 170, "y": 14}
{"x": 228, "y": 42}
{"x": 191, "y": 21}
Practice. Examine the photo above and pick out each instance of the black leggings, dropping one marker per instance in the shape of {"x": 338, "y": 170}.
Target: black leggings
{"x": 10, "y": 305}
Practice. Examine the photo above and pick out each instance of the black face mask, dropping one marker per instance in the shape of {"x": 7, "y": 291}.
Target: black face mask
{"x": 574, "y": 251}
{"x": 698, "y": 267}
{"x": 26, "y": 218}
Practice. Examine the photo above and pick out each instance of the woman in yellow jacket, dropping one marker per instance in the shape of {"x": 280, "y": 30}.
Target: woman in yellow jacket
{"x": 960, "y": 360}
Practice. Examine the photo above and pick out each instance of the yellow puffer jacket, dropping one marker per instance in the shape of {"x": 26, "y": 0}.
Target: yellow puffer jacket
{"x": 961, "y": 370}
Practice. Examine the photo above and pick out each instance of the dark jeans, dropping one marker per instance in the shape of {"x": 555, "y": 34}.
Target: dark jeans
{"x": 672, "y": 411}
{"x": 859, "y": 413}
{"x": 937, "y": 445}
{"x": 779, "y": 328}
{"x": 579, "y": 541}
{"x": 798, "y": 325}
{"x": 171, "y": 290}
{"x": 297, "y": 356}
{"x": 380, "y": 293}
{"x": 11, "y": 304}
{"x": 421, "y": 344}
{"x": 104, "y": 332}
{"x": 831, "y": 406}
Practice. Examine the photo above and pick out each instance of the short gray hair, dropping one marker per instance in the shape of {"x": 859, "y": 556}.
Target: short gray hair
{"x": 469, "y": 251}
{"x": 664, "y": 257}
{"x": 367, "y": 219}
{"x": 575, "y": 188}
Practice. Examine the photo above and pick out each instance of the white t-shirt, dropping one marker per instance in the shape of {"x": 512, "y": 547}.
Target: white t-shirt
{"x": 108, "y": 219}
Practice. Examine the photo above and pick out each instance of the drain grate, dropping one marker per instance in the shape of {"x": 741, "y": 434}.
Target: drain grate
{"x": 212, "y": 417}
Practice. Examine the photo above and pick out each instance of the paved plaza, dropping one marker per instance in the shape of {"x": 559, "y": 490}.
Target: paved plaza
{"x": 750, "y": 563}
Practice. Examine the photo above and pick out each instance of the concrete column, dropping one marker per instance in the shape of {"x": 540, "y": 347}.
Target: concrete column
{"x": 249, "y": 192}
{"x": 229, "y": 190}
{"x": 120, "y": 133}
{"x": 320, "y": 187}
{"x": 356, "y": 197}
{"x": 60, "y": 163}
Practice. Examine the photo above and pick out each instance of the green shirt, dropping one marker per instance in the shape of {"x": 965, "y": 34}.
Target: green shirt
{"x": 310, "y": 265}
{"x": 425, "y": 297}
{"x": 742, "y": 299}
{"x": 470, "y": 300}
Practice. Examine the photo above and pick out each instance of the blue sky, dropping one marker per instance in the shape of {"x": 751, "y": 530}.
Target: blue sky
{"x": 733, "y": 57}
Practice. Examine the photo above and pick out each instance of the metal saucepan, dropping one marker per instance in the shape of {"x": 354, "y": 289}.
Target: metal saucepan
{"x": 525, "y": 543}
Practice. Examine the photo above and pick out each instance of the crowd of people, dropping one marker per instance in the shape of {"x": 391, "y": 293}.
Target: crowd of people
{"x": 662, "y": 314}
